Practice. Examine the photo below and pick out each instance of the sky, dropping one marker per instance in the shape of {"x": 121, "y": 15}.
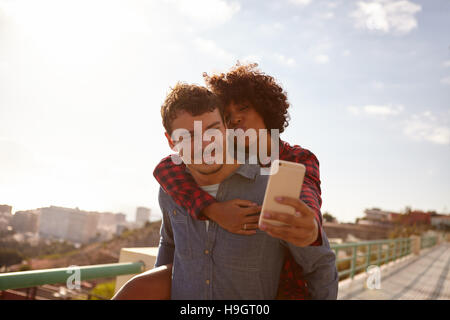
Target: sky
{"x": 82, "y": 82}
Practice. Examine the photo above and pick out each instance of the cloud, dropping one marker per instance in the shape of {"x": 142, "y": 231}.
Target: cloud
{"x": 427, "y": 127}
{"x": 419, "y": 127}
{"x": 209, "y": 12}
{"x": 209, "y": 47}
{"x": 272, "y": 28}
{"x": 327, "y": 15}
{"x": 302, "y": 3}
{"x": 321, "y": 59}
{"x": 446, "y": 81}
{"x": 378, "y": 85}
{"x": 386, "y": 16}
{"x": 376, "y": 110}
{"x": 285, "y": 60}
{"x": 446, "y": 64}
{"x": 251, "y": 58}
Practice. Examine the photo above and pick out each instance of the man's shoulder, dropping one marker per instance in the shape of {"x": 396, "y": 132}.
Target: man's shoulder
{"x": 165, "y": 200}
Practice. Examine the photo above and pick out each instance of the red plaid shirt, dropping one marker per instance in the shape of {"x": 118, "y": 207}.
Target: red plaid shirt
{"x": 183, "y": 189}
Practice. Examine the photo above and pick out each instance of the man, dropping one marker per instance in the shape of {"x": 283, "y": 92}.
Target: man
{"x": 254, "y": 101}
{"x": 208, "y": 261}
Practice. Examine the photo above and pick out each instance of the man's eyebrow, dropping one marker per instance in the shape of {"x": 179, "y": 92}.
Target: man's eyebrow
{"x": 208, "y": 127}
{"x": 213, "y": 125}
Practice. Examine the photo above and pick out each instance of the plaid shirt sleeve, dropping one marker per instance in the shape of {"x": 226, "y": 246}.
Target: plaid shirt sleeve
{"x": 183, "y": 189}
{"x": 311, "y": 192}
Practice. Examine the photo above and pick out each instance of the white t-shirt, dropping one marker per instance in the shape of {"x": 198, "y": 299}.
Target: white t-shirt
{"x": 212, "y": 190}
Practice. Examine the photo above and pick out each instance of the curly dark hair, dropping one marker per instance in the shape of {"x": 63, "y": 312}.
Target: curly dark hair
{"x": 246, "y": 83}
{"x": 191, "y": 98}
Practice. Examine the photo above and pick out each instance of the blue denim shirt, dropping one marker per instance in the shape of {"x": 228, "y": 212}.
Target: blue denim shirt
{"x": 216, "y": 264}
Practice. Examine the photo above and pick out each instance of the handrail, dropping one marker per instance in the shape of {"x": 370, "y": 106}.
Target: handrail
{"x": 386, "y": 250}
{"x": 33, "y": 278}
{"x": 396, "y": 248}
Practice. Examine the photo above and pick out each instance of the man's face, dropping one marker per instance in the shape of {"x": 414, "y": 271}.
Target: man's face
{"x": 208, "y": 120}
{"x": 243, "y": 116}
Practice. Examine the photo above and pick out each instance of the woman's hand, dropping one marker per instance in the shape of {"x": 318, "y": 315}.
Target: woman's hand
{"x": 301, "y": 229}
{"x": 236, "y": 216}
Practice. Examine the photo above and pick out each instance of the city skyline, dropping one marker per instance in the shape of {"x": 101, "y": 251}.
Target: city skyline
{"x": 368, "y": 83}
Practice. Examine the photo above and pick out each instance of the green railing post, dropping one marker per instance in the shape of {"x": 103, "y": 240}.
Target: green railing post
{"x": 395, "y": 249}
{"x": 379, "y": 254}
{"x": 369, "y": 253}
{"x": 355, "y": 251}
{"x": 386, "y": 260}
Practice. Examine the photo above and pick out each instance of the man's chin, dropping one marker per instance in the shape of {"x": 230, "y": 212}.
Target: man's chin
{"x": 206, "y": 169}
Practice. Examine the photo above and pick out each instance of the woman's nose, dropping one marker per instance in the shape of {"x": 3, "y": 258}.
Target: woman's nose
{"x": 235, "y": 120}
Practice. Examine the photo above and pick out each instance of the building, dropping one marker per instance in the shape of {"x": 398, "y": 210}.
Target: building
{"x": 142, "y": 216}
{"x": 108, "y": 223}
{"x": 377, "y": 217}
{"x": 441, "y": 222}
{"x": 69, "y": 224}
{"x": 5, "y": 210}
{"x": 121, "y": 218}
{"x": 5, "y": 216}
{"x": 416, "y": 217}
{"x": 26, "y": 221}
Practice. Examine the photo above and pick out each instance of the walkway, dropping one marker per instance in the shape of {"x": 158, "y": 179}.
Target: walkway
{"x": 423, "y": 277}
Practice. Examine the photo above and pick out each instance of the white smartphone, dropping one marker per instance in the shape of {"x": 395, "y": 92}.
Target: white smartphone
{"x": 285, "y": 180}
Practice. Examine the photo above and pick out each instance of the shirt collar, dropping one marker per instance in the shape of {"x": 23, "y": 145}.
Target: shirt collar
{"x": 249, "y": 171}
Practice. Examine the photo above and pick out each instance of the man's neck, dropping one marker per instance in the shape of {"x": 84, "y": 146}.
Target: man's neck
{"x": 216, "y": 177}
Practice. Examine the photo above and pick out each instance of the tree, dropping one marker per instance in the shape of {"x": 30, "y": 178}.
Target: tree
{"x": 327, "y": 217}
{"x": 8, "y": 257}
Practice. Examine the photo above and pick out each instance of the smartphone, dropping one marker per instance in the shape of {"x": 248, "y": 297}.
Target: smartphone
{"x": 285, "y": 180}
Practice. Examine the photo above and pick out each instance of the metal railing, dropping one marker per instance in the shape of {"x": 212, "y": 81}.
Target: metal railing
{"x": 427, "y": 242}
{"x": 34, "y": 278}
{"x": 361, "y": 255}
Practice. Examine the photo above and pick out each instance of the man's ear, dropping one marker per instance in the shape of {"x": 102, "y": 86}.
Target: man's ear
{"x": 169, "y": 140}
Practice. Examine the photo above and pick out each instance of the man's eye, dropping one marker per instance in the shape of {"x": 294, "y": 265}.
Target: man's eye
{"x": 244, "y": 107}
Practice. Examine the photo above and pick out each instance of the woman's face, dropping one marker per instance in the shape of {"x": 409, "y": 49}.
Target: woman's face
{"x": 244, "y": 116}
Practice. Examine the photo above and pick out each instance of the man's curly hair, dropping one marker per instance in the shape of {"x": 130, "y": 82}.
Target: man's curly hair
{"x": 246, "y": 83}
{"x": 190, "y": 98}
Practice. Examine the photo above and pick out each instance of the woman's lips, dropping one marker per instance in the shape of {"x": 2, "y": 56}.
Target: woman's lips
{"x": 240, "y": 127}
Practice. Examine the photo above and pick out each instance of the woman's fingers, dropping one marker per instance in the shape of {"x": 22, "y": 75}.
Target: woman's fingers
{"x": 250, "y": 211}
{"x": 244, "y": 203}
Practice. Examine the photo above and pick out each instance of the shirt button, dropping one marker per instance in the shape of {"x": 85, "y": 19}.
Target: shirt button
{"x": 206, "y": 251}
{"x": 207, "y": 281}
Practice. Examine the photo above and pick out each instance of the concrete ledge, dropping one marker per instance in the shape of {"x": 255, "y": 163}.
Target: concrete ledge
{"x": 144, "y": 254}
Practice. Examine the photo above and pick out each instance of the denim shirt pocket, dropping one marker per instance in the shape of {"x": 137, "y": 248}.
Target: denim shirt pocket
{"x": 180, "y": 225}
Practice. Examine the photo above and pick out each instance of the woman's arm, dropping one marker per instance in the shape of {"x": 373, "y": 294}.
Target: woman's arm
{"x": 183, "y": 189}
{"x": 154, "y": 284}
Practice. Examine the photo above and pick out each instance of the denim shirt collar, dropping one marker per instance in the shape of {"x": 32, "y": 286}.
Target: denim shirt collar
{"x": 249, "y": 171}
